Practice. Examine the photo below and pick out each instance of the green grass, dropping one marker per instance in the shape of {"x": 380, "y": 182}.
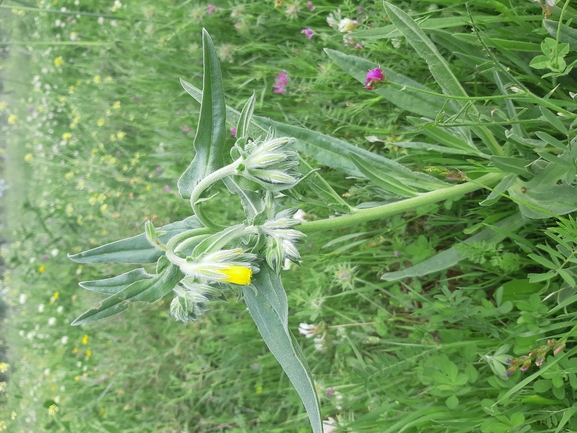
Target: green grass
{"x": 93, "y": 156}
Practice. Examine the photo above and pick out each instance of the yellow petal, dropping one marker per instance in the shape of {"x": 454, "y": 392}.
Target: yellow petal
{"x": 237, "y": 275}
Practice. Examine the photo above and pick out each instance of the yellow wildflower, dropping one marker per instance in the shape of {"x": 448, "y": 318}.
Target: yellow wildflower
{"x": 88, "y": 353}
{"x": 96, "y": 79}
{"x": 58, "y": 61}
{"x": 102, "y": 411}
{"x": 3, "y": 367}
{"x": 52, "y": 410}
{"x": 55, "y": 295}
{"x": 3, "y": 425}
{"x": 112, "y": 137}
{"x": 13, "y": 415}
{"x": 259, "y": 389}
{"x": 66, "y": 136}
{"x": 40, "y": 108}
{"x": 103, "y": 207}
{"x": 62, "y": 99}
{"x": 121, "y": 135}
{"x": 237, "y": 275}
{"x": 71, "y": 90}
{"x": 41, "y": 268}
{"x": 116, "y": 105}
{"x": 100, "y": 122}
{"x": 69, "y": 209}
{"x": 12, "y": 119}
{"x": 85, "y": 339}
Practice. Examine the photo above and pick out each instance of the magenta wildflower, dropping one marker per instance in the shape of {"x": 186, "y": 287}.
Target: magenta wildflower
{"x": 281, "y": 82}
{"x": 210, "y": 9}
{"x": 310, "y": 6}
{"x": 186, "y": 128}
{"x": 166, "y": 188}
{"x": 330, "y": 391}
{"x": 233, "y": 131}
{"x": 309, "y": 33}
{"x": 375, "y": 78}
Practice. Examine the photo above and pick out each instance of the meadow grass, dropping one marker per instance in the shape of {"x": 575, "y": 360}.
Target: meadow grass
{"x": 98, "y": 129}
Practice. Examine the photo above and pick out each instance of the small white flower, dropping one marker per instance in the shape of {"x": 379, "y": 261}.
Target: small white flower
{"x": 22, "y": 298}
{"x": 60, "y": 309}
{"x": 320, "y": 343}
{"x": 100, "y": 20}
{"x": 41, "y": 308}
{"x": 64, "y": 340}
{"x": 113, "y": 23}
{"x": 46, "y": 371}
{"x": 308, "y": 330}
{"x": 52, "y": 321}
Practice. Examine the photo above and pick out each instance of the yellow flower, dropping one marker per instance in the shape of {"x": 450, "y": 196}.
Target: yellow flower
{"x": 75, "y": 350}
{"x": 100, "y": 122}
{"x": 102, "y": 411}
{"x": 66, "y": 136}
{"x": 12, "y": 119}
{"x": 112, "y": 137}
{"x": 41, "y": 268}
{"x": 88, "y": 353}
{"x": 237, "y": 275}
{"x": 69, "y": 209}
{"x": 103, "y": 207}
{"x": 116, "y": 105}
{"x": 3, "y": 425}
{"x": 71, "y": 90}
{"x": 96, "y": 79}
{"x": 55, "y": 295}
{"x": 62, "y": 99}
{"x": 3, "y": 367}
{"x": 259, "y": 389}
{"x": 13, "y": 415}
{"x": 58, "y": 61}
{"x": 121, "y": 135}
{"x": 40, "y": 108}
{"x": 52, "y": 410}
{"x": 28, "y": 157}
{"x": 85, "y": 339}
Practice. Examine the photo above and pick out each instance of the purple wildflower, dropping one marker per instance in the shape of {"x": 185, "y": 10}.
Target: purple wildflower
{"x": 310, "y": 6}
{"x": 186, "y": 128}
{"x": 309, "y": 33}
{"x": 233, "y": 131}
{"x": 375, "y": 78}
{"x": 166, "y": 188}
{"x": 210, "y": 9}
{"x": 280, "y": 82}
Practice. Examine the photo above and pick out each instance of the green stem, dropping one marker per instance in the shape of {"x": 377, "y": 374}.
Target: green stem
{"x": 364, "y": 215}
{"x": 204, "y": 184}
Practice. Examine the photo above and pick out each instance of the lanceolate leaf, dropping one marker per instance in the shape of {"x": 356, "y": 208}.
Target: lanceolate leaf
{"x": 269, "y": 310}
{"x": 210, "y": 140}
{"x": 451, "y": 257}
{"x": 418, "y": 103}
{"x": 115, "y": 284}
{"x": 329, "y": 151}
{"x": 381, "y": 179}
{"x": 136, "y": 249}
{"x": 149, "y": 290}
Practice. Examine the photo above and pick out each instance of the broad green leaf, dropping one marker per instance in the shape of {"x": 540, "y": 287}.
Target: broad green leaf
{"x": 553, "y": 120}
{"x": 568, "y": 35}
{"x": 245, "y": 118}
{"x": 551, "y": 140}
{"x": 329, "y": 151}
{"x": 136, "y": 249}
{"x": 115, "y": 284}
{"x": 269, "y": 310}
{"x": 415, "y": 102}
{"x": 545, "y": 195}
{"x": 426, "y": 50}
{"x": 335, "y": 153}
{"x": 382, "y": 179}
{"x": 210, "y": 140}
{"x": 451, "y": 257}
{"x": 148, "y": 290}
{"x": 509, "y": 164}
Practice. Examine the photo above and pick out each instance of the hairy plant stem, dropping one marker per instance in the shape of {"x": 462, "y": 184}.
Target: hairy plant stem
{"x": 364, "y": 215}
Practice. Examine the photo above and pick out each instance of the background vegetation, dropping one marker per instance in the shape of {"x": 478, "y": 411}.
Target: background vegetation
{"x": 97, "y": 129}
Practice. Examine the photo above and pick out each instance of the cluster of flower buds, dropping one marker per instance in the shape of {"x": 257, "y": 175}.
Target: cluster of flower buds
{"x": 538, "y": 356}
{"x": 281, "y": 239}
{"x": 271, "y": 163}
